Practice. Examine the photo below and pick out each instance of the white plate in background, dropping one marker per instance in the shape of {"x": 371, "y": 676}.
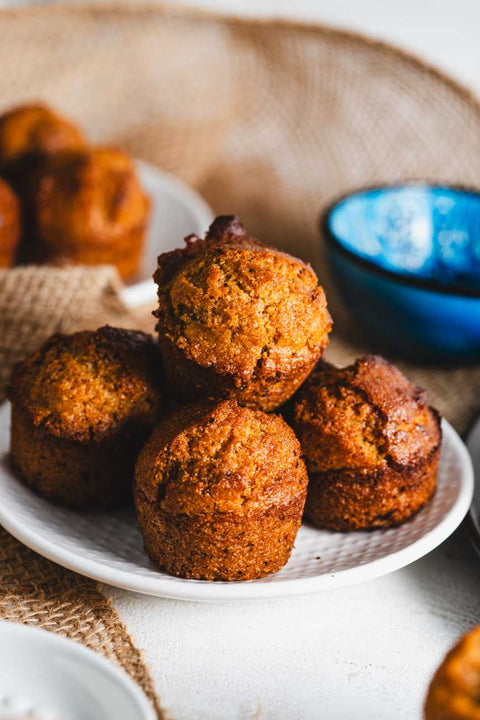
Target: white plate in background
{"x": 176, "y": 211}
{"x": 45, "y": 677}
{"x": 108, "y": 546}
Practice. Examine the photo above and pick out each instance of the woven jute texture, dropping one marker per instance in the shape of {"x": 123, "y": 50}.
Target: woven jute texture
{"x": 270, "y": 121}
{"x": 37, "y": 592}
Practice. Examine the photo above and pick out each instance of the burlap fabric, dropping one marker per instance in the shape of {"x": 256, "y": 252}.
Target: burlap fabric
{"x": 268, "y": 120}
{"x": 37, "y": 592}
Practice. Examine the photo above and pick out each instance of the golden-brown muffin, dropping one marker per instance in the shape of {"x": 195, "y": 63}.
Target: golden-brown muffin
{"x": 89, "y": 208}
{"x": 9, "y": 225}
{"x": 82, "y": 406}
{"x": 220, "y": 491}
{"x": 454, "y": 692}
{"x": 371, "y": 445}
{"x": 238, "y": 319}
{"x": 28, "y": 135}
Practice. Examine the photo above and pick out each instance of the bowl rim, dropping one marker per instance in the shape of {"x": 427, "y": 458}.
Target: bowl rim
{"x": 403, "y": 279}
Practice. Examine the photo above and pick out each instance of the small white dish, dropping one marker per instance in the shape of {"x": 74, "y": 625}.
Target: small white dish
{"x": 45, "y": 677}
{"x": 176, "y": 211}
{"x": 108, "y": 546}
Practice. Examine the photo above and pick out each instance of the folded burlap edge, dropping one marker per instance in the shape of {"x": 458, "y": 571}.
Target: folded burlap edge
{"x": 188, "y": 11}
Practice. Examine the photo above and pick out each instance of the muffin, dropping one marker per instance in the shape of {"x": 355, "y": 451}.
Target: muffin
{"x": 28, "y": 135}
{"x": 371, "y": 445}
{"x": 82, "y": 406}
{"x": 9, "y": 225}
{"x": 219, "y": 491}
{"x": 88, "y": 207}
{"x": 455, "y": 689}
{"x": 237, "y": 318}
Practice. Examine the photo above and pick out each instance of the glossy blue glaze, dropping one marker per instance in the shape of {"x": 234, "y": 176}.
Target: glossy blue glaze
{"x": 407, "y": 260}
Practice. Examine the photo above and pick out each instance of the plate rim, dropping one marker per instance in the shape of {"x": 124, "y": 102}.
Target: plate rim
{"x": 204, "y": 591}
{"x": 143, "y": 291}
{"x": 92, "y": 658}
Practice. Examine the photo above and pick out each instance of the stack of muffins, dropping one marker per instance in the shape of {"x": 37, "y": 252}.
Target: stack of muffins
{"x": 62, "y": 201}
{"x": 220, "y": 480}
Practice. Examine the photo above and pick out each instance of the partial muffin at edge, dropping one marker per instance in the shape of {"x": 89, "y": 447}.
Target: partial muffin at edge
{"x": 220, "y": 491}
{"x": 455, "y": 689}
{"x": 238, "y": 319}
{"x": 9, "y": 225}
{"x": 370, "y": 442}
{"x": 28, "y": 135}
{"x": 82, "y": 406}
{"x": 89, "y": 208}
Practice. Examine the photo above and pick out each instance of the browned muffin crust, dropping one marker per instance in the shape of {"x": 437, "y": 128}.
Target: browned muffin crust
{"x": 29, "y": 134}
{"x": 371, "y": 445}
{"x": 88, "y": 207}
{"x": 455, "y": 689}
{"x": 82, "y": 406}
{"x": 238, "y": 319}
{"x": 220, "y": 491}
{"x": 9, "y": 225}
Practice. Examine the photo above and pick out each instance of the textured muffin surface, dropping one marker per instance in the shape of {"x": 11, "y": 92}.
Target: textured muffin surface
{"x": 370, "y": 441}
{"x": 244, "y": 311}
{"x": 35, "y": 130}
{"x": 81, "y": 407}
{"x": 9, "y": 225}
{"x": 220, "y": 491}
{"x": 454, "y": 692}
{"x": 89, "y": 207}
{"x": 87, "y": 385}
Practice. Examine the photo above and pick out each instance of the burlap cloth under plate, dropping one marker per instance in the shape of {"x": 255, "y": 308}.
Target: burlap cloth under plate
{"x": 268, "y": 120}
{"x": 37, "y": 592}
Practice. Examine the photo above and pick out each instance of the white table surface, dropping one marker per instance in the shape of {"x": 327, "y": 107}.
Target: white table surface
{"x": 365, "y": 652}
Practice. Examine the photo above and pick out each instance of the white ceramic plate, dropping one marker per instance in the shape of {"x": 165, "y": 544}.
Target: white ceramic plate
{"x": 176, "y": 211}
{"x": 108, "y": 546}
{"x": 46, "y": 677}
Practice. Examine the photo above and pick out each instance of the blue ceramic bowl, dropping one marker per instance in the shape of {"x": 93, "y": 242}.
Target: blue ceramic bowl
{"x": 407, "y": 261}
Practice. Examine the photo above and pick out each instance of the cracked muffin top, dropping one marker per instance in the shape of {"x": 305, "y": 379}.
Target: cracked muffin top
{"x": 90, "y": 194}
{"x": 363, "y": 416}
{"x": 35, "y": 130}
{"x": 91, "y": 384}
{"x": 221, "y": 457}
{"x": 231, "y": 303}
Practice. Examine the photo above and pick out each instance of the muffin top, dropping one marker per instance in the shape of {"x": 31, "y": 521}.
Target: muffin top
{"x": 220, "y": 457}
{"x": 453, "y": 692}
{"x": 9, "y": 209}
{"x": 231, "y": 303}
{"x": 363, "y": 416}
{"x": 91, "y": 384}
{"x": 91, "y": 195}
{"x": 35, "y": 130}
